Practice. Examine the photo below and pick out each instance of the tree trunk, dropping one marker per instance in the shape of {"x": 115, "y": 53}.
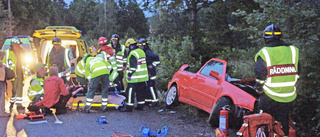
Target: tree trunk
{"x": 194, "y": 35}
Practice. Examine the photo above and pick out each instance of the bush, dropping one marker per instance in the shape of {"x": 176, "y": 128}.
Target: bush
{"x": 173, "y": 54}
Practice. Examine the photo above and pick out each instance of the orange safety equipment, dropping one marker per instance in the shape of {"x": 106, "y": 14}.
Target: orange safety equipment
{"x": 102, "y": 41}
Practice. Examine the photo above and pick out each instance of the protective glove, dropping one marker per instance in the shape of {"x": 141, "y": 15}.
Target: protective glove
{"x": 129, "y": 78}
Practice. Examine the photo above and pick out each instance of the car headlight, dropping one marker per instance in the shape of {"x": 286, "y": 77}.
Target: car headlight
{"x": 27, "y": 59}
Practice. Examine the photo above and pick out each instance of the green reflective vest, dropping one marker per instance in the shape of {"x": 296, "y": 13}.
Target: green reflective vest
{"x": 282, "y": 66}
{"x": 96, "y": 66}
{"x": 140, "y": 74}
{"x": 110, "y": 59}
{"x": 36, "y": 87}
{"x": 66, "y": 59}
{"x": 119, "y": 57}
{"x": 10, "y": 60}
{"x": 80, "y": 69}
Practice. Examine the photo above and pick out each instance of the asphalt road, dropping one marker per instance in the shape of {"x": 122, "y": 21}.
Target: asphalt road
{"x": 78, "y": 124}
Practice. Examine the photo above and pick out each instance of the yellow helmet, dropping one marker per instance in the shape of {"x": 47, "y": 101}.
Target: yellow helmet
{"x": 130, "y": 41}
{"x": 93, "y": 51}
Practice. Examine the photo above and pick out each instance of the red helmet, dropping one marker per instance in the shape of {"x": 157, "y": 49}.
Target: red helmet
{"x": 102, "y": 41}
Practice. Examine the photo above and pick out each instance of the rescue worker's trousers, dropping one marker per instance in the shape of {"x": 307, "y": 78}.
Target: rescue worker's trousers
{"x": 135, "y": 89}
{"x": 280, "y": 111}
{"x": 2, "y": 98}
{"x": 151, "y": 95}
{"x": 17, "y": 86}
{"x": 119, "y": 82}
{"x": 94, "y": 86}
{"x": 83, "y": 82}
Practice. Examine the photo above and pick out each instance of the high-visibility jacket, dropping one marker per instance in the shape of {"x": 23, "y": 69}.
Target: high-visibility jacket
{"x": 96, "y": 66}
{"x": 282, "y": 66}
{"x": 140, "y": 72}
{"x": 80, "y": 69}
{"x": 109, "y": 58}
{"x": 119, "y": 54}
{"x": 152, "y": 61}
{"x": 36, "y": 87}
{"x": 10, "y": 60}
{"x": 66, "y": 59}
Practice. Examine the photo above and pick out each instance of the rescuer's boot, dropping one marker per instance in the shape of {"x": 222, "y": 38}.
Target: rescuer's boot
{"x": 125, "y": 109}
{"x": 20, "y": 109}
{"x": 103, "y": 108}
{"x": 86, "y": 109}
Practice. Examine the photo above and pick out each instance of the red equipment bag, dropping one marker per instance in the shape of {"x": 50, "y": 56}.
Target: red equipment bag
{"x": 259, "y": 125}
{"x": 120, "y": 134}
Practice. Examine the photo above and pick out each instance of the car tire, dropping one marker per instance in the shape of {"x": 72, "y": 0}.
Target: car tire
{"x": 215, "y": 112}
{"x": 172, "y": 97}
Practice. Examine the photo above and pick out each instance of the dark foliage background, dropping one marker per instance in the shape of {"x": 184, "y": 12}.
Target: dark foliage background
{"x": 191, "y": 32}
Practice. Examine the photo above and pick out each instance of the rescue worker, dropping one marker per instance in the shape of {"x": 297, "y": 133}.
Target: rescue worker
{"x": 3, "y": 69}
{"x": 58, "y": 55}
{"x": 108, "y": 55}
{"x": 136, "y": 75}
{"x": 36, "y": 91}
{"x": 96, "y": 70}
{"x": 56, "y": 94}
{"x": 151, "y": 96}
{"x": 119, "y": 51}
{"x": 13, "y": 59}
{"x": 79, "y": 71}
{"x": 276, "y": 72}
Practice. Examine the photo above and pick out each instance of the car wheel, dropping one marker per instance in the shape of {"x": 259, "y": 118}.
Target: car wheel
{"x": 215, "y": 112}
{"x": 172, "y": 96}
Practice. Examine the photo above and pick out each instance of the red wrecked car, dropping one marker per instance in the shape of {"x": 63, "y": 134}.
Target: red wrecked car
{"x": 210, "y": 89}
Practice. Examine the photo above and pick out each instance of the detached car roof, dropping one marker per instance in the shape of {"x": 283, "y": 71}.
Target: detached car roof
{"x": 63, "y": 32}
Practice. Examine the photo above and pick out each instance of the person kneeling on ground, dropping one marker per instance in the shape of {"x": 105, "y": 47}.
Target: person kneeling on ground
{"x": 56, "y": 94}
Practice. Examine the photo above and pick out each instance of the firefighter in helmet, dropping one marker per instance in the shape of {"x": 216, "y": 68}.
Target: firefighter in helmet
{"x": 276, "y": 86}
{"x": 153, "y": 61}
{"x": 136, "y": 75}
{"x": 119, "y": 51}
{"x": 59, "y": 57}
{"x": 13, "y": 59}
{"x": 108, "y": 55}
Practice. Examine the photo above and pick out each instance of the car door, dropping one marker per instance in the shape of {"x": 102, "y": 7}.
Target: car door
{"x": 205, "y": 87}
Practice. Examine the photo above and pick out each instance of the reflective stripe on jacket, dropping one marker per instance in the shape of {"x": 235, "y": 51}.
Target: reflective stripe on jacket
{"x": 140, "y": 73}
{"x": 119, "y": 57}
{"x": 96, "y": 66}
{"x": 66, "y": 59}
{"x": 37, "y": 88}
{"x": 282, "y": 66}
{"x": 80, "y": 69}
{"x": 110, "y": 59}
{"x": 10, "y": 60}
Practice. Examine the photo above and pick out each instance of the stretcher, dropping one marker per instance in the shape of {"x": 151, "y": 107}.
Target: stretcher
{"x": 115, "y": 98}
